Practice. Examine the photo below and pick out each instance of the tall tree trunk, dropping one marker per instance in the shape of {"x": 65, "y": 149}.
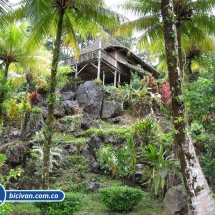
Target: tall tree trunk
{"x": 200, "y": 199}
{"x": 51, "y": 102}
{"x": 26, "y": 116}
{"x": 180, "y": 58}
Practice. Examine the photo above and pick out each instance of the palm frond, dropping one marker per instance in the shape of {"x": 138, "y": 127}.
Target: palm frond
{"x": 203, "y": 6}
{"x": 205, "y": 22}
{"x": 41, "y": 30}
{"x": 143, "y": 23}
{"x": 5, "y": 6}
{"x": 141, "y": 7}
{"x": 70, "y": 37}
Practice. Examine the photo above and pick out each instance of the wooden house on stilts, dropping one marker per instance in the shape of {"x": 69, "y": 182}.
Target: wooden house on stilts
{"x": 109, "y": 61}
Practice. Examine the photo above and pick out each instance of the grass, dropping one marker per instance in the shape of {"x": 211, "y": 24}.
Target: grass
{"x": 92, "y": 206}
{"x": 76, "y": 178}
{"x": 25, "y": 208}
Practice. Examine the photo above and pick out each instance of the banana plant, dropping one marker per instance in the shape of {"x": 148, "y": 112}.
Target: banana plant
{"x": 159, "y": 164}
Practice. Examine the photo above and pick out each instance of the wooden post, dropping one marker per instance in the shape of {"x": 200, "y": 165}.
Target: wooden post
{"x": 103, "y": 78}
{"x": 99, "y": 59}
{"x": 119, "y": 77}
{"x": 115, "y": 73}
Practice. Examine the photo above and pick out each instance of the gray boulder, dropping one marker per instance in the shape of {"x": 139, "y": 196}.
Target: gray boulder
{"x": 59, "y": 111}
{"x": 70, "y": 149}
{"x": 16, "y": 154}
{"x": 93, "y": 144}
{"x": 34, "y": 124}
{"x": 111, "y": 109}
{"x": 88, "y": 122}
{"x": 115, "y": 120}
{"x": 86, "y": 154}
{"x": 90, "y": 97}
{"x": 111, "y": 139}
{"x": 94, "y": 186}
{"x": 72, "y": 86}
{"x": 69, "y": 95}
{"x": 175, "y": 200}
{"x": 94, "y": 167}
{"x": 70, "y": 107}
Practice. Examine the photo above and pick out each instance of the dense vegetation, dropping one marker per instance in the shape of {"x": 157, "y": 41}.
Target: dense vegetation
{"x": 183, "y": 98}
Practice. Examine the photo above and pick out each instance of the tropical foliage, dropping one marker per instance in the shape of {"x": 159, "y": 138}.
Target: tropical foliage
{"x": 160, "y": 165}
{"x": 120, "y": 198}
{"x": 64, "y": 20}
{"x": 194, "y": 23}
{"x": 177, "y": 31}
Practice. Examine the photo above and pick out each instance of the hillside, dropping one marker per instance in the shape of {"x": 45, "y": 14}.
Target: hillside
{"x": 100, "y": 140}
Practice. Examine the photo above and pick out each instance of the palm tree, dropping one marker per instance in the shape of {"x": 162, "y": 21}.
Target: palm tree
{"x": 65, "y": 20}
{"x": 201, "y": 202}
{"x": 12, "y": 38}
{"x": 194, "y": 22}
{"x": 34, "y": 68}
{"x": 192, "y": 53}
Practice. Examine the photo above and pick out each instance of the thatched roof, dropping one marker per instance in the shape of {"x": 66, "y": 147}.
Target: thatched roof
{"x": 135, "y": 68}
{"x": 113, "y": 44}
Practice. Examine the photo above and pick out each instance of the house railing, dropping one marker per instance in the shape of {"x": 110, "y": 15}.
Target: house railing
{"x": 89, "y": 56}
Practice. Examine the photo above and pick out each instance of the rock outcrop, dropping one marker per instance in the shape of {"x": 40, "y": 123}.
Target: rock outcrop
{"x": 175, "y": 200}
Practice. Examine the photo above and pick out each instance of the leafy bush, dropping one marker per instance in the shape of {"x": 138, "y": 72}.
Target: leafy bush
{"x": 63, "y": 76}
{"x": 5, "y": 90}
{"x": 207, "y": 160}
{"x": 98, "y": 81}
{"x": 121, "y": 161}
{"x": 42, "y": 86}
{"x": 160, "y": 165}
{"x": 107, "y": 159}
{"x": 36, "y": 113}
{"x": 135, "y": 81}
{"x": 73, "y": 122}
{"x": 6, "y": 208}
{"x": 71, "y": 204}
{"x": 12, "y": 109}
{"x": 13, "y": 173}
{"x": 146, "y": 131}
{"x": 120, "y": 198}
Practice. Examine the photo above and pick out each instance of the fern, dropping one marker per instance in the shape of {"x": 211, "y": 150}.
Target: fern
{"x": 38, "y": 137}
{"x": 54, "y": 152}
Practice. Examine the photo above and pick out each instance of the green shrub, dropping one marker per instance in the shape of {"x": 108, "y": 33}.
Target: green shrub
{"x": 6, "y": 208}
{"x": 71, "y": 204}
{"x": 120, "y": 198}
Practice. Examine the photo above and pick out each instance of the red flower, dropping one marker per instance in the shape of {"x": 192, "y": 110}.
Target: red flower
{"x": 165, "y": 92}
{"x": 35, "y": 97}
